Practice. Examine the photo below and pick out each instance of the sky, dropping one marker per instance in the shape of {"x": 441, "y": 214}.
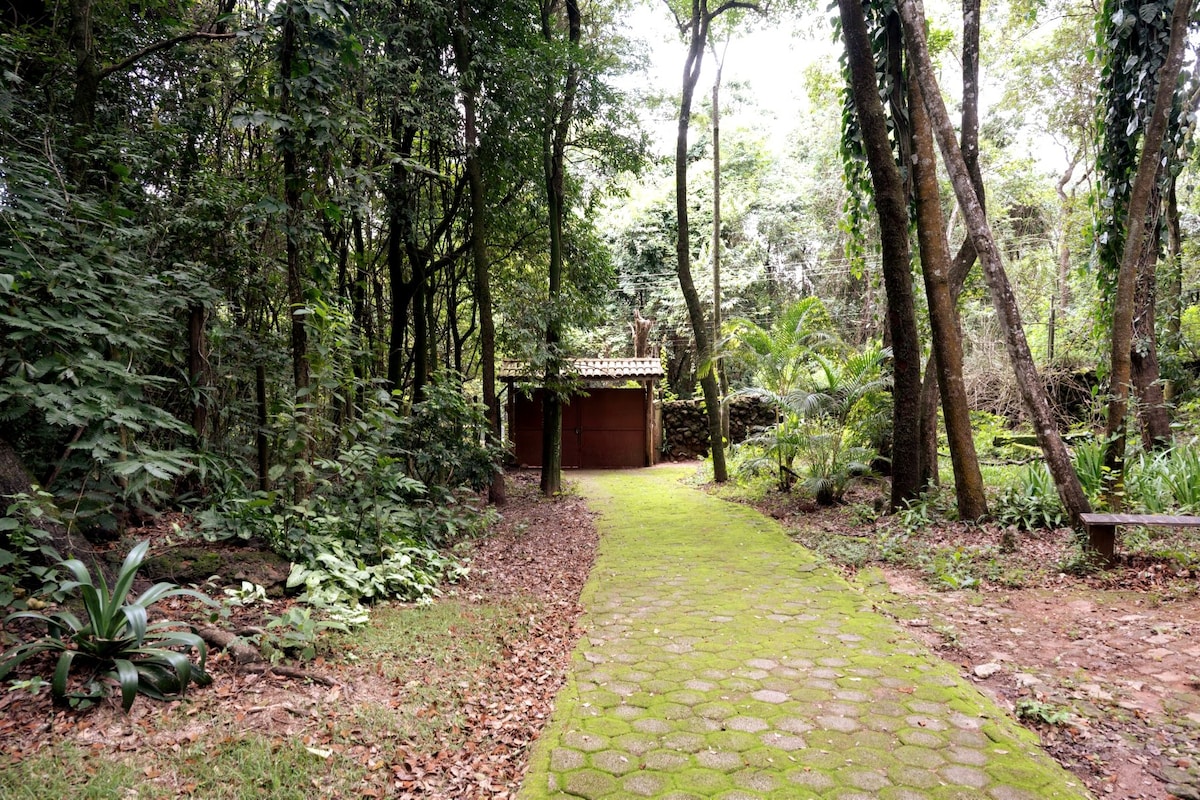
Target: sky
{"x": 769, "y": 60}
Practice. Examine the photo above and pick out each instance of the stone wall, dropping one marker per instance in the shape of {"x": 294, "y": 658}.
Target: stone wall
{"x": 685, "y": 425}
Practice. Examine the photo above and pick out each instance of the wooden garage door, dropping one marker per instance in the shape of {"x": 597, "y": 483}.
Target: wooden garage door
{"x": 605, "y": 429}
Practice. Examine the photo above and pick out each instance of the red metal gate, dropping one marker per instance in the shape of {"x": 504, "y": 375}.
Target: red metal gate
{"x": 607, "y": 428}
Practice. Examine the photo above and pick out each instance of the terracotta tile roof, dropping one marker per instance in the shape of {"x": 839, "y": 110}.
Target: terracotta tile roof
{"x": 594, "y": 369}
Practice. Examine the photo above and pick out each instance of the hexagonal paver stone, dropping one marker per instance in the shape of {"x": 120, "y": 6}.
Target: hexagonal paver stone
{"x": 867, "y": 780}
{"x": 813, "y": 779}
{"x": 783, "y": 741}
{"x": 963, "y": 755}
{"x": 919, "y": 757}
{"x": 792, "y": 724}
{"x": 589, "y": 784}
{"x": 563, "y": 759}
{"x": 651, "y": 725}
{"x": 686, "y": 697}
{"x": 746, "y": 724}
{"x": 684, "y": 742}
{"x": 587, "y": 742}
{"x": 965, "y": 776}
{"x": 666, "y": 760}
{"x": 770, "y": 696}
{"x": 921, "y": 738}
{"x": 636, "y": 743}
{"x": 644, "y": 784}
{"x": 613, "y": 761}
{"x": 842, "y": 724}
{"x": 756, "y": 780}
{"x": 721, "y": 760}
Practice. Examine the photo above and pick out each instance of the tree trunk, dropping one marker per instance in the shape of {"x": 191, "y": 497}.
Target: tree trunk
{"x": 260, "y": 434}
{"x": 1152, "y": 408}
{"x": 698, "y": 37}
{"x": 947, "y": 344}
{"x": 554, "y": 146}
{"x": 1058, "y": 459}
{"x": 1140, "y": 197}
{"x": 479, "y": 254}
{"x": 198, "y": 370}
{"x": 960, "y": 267}
{"x": 891, "y": 203}
{"x": 293, "y": 187}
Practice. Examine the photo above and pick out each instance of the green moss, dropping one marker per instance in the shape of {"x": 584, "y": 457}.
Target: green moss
{"x": 694, "y": 589}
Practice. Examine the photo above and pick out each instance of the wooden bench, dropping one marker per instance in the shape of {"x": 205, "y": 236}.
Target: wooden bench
{"x": 1102, "y": 528}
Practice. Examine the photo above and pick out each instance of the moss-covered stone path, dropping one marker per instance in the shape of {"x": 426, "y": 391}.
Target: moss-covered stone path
{"x": 722, "y": 660}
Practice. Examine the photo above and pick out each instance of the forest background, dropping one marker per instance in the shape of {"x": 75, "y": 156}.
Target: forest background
{"x": 260, "y": 261}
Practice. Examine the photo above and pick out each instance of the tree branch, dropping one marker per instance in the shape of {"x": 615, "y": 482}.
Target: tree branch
{"x": 165, "y": 44}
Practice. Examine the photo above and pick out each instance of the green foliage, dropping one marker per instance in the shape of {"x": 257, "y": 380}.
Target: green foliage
{"x": 1037, "y": 711}
{"x": 952, "y": 571}
{"x": 82, "y": 326}
{"x": 115, "y": 642}
{"x": 377, "y": 511}
{"x": 25, "y": 550}
{"x": 1032, "y": 502}
{"x": 827, "y": 401}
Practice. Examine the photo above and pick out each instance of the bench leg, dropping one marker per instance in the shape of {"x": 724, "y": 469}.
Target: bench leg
{"x": 1103, "y": 539}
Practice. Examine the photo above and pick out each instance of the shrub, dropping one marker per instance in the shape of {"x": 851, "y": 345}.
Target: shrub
{"x": 117, "y": 643}
{"x": 1032, "y": 502}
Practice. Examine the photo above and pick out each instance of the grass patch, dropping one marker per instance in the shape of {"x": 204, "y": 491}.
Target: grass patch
{"x": 430, "y": 659}
{"x": 66, "y": 771}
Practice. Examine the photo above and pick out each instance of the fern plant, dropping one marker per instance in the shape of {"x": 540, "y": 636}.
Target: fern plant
{"x": 114, "y": 642}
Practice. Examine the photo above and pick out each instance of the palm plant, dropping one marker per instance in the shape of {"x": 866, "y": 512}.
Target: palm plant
{"x": 779, "y": 361}
{"x": 117, "y": 643}
{"x": 824, "y": 397}
{"x": 840, "y": 403}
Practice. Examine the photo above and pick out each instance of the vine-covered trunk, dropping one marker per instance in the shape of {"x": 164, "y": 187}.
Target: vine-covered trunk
{"x": 1058, "y": 459}
{"x": 891, "y": 203}
{"x": 1137, "y": 232}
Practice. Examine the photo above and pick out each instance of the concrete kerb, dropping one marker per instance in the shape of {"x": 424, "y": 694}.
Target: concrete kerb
{"x": 722, "y": 660}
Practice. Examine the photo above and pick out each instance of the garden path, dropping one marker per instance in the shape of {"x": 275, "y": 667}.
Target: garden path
{"x": 720, "y": 659}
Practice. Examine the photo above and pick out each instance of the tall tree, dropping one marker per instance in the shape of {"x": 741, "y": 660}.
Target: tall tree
{"x": 561, "y": 90}
{"x": 943, "y": 321}
{"x": 1033, "y": 393}
{"x": 891, "y": 202}
{"x": 1139, "y": 247}
{"x": 469, "y": 72}
{"x": 695, "y": 27}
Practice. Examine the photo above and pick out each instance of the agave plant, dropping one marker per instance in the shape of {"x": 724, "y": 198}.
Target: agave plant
{"x": 115, "y": 642}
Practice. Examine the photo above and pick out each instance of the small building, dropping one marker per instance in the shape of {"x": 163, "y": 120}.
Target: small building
{"x": 613, "y": 422}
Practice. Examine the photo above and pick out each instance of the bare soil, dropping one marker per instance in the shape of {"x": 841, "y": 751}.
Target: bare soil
{"x": 1104, "y": 666}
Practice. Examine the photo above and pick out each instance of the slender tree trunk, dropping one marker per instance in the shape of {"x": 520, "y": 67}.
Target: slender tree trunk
{"x": 1175, "y": 257}
{"x": 1058, "y": 459}
{"x": 198, "y": 369}
{"x": 293, "y": 187}
{"x": 965, "y": 258}
{"x": 947, "y": 344}
{"x": 1143, "y": 363}
{"x": 891, "y": 203}
{"x": 698, "y": 38}
{"x": 560, "y": 111}
{"x": 1140, "y": 197}
{"x": 718, "y": 364}
{"x": 479, "y": 253}
{"x": 261, "y": 445}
